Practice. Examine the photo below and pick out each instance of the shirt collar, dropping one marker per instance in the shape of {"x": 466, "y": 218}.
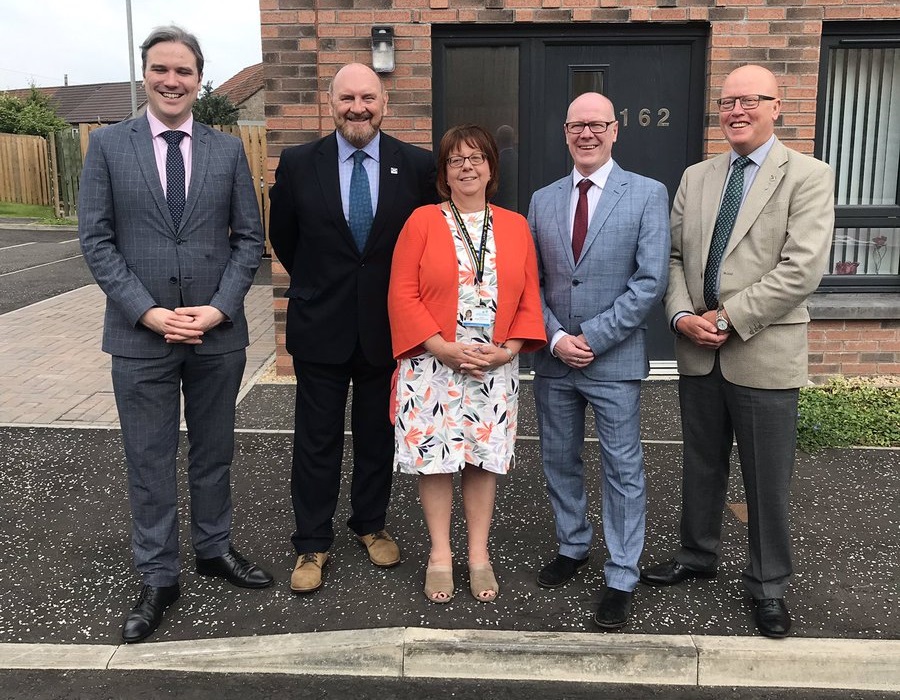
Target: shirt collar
{"x": 157, "y": 127}
{"x": 347, "y": 149}
{"x": 598, "y": 177}
{"x": 757, "y": 156}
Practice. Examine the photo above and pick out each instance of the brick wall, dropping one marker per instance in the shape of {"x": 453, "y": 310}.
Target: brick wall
{"x": 853, "y": 348}
{"x": 304, "y": 42}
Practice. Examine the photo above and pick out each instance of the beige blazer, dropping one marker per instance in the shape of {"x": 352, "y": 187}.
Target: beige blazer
{"x": 775, "y": 258}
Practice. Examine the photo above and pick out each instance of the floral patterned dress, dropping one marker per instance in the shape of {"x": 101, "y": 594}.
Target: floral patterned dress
{"x": 445, "y": 419}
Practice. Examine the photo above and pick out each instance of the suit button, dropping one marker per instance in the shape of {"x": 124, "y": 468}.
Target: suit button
{"x": 173, "y": 280}
{"x": 179, "y": 241}
{"x": 575, "y": 283}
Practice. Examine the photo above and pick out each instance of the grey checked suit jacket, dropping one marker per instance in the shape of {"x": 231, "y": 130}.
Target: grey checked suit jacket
{"x": 138, "y": 257}
{"x": 620, "y": 276}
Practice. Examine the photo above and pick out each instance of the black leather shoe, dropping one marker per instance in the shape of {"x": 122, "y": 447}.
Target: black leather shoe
{"x": 671, "y": 572}
{"x": 614, "y": 609}
{"x": 235, "y": 569}
{"x": 147, "y": 613}
{"x": 560, "y": 570}
{"x": 772, "y": 617}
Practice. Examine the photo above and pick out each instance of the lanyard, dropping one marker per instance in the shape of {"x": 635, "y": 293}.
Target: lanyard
{"x": 477, "y": 255}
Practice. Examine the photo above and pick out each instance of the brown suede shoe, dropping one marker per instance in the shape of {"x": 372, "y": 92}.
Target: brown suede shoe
{"x": 307, "y": 575}
{"x": 383, "y": 551}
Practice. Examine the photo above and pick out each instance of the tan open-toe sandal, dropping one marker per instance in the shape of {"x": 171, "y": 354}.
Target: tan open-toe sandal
{"x": 439, "y": 583}
{"x": 482, "y": 583}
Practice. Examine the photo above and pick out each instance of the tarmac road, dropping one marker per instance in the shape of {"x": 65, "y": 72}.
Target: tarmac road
{"x": 135, "y": 685}
{"x": 38, "y": 264}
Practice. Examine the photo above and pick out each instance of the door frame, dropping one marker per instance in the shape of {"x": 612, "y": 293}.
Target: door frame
{"x": 532, "y": 41}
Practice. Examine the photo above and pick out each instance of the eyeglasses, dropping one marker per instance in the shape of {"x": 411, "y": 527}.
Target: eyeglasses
{"x": 596, "y": 127}
{"x": 726, "y": 104}
{"x": 474, "y": 159}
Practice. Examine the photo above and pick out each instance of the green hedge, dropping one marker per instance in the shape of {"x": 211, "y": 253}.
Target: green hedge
{"x": 864, "y": 412}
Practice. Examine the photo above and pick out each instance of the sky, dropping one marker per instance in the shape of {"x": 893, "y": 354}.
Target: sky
{"x": 43, "y": 40}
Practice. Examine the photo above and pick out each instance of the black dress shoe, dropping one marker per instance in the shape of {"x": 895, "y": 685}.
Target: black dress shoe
{"x": 772, "y": 617}
{"x": 671, "y": 572}
{"x": 235, "y": 569}
{"x": 147, "y": 613}
{"x": 614, "y": 609}
{"x": 559, "y": 571}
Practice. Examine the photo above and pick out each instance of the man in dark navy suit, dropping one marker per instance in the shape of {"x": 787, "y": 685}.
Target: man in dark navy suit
{"x": 337, "y": 207}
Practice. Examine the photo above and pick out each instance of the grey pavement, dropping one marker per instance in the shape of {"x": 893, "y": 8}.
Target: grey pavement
{"x": 66, "y": 578}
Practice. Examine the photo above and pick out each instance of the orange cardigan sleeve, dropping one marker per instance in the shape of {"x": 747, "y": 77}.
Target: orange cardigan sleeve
{"x": 422, "y": 296}
{"x": 519, "y": 312}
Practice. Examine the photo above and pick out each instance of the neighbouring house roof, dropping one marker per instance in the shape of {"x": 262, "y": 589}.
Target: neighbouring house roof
{"x": 103, "y": 103}
{"x": 243, "y": 85}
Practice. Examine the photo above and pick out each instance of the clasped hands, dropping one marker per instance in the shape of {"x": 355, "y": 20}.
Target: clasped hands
{"x": 185, "y": 324}
{"x": 473, "y": 359}
{"x": 574, "y": 350}
{"x": 701, "y": 330}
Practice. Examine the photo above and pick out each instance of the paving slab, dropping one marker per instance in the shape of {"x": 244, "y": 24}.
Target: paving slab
{"x": 566, "y": 656}
{"x": 371, "y": 652}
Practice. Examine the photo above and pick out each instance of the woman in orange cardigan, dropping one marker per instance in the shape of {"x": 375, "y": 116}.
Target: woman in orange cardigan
{"x": 463, "y": 303}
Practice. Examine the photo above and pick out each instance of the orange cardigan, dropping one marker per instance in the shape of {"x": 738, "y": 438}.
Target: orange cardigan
{"x": 424, "y": 290}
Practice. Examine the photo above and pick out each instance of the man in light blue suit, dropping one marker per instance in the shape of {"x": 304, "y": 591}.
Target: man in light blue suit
{"x": 170, "y": 229}
{"x": 602, "y": 237}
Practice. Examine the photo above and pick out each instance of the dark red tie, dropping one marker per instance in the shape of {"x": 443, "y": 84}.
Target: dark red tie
{"x": 579, "y": 230}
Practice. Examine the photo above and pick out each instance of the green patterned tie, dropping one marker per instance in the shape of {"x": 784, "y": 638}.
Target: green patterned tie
{"x": 731, "y": 204}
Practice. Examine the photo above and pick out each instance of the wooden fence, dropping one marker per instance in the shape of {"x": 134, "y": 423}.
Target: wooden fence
{"x": 23, "y": 169}
{"x": 254, "y": 139}
{"x": 33, "y": 172}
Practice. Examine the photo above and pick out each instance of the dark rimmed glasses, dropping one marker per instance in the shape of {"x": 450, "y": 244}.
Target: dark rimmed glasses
{"x": 575, "y": 128}
{"x": 726, "y": 104}
{"x": 474, "y": 159}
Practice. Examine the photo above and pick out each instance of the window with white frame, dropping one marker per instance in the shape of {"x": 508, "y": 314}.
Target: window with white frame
{"x": 858, "y": 134}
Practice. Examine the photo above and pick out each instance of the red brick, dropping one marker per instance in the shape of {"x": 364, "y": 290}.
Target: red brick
{"x": 859, "y": 369}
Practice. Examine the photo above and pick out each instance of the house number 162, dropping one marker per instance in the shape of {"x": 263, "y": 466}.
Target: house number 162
{"x": 645, "y": 117}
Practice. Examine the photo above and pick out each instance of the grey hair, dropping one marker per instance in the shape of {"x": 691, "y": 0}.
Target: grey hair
{"x": 171, "y": 33}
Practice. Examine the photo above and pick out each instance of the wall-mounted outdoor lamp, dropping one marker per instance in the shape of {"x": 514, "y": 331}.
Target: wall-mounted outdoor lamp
{"x": 382, "y": 49}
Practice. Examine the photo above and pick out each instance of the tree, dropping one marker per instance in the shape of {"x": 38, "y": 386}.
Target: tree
{"x": 214, "y": 109}
{"x": 34, "y": 115}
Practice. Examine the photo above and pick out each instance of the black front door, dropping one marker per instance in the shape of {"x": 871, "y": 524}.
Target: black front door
{"x": 518, "y": 82}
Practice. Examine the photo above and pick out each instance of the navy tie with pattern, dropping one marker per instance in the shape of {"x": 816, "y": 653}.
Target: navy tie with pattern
{"x": 580, "y": 225}
{"x": 728, "y": 211}
{"x": 175, "y": 184}
{"x": 360, "y": 201}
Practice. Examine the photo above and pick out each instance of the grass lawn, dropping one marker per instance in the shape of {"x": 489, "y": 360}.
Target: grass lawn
{"x": 44, "y": 215}
{"x": 31, "y": 211}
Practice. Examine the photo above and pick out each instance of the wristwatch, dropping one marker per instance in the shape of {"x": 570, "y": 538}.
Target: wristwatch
{"x": 721, "y": 322}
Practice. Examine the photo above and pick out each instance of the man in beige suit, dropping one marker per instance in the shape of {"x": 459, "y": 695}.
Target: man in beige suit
{"x": 751, "y": 234}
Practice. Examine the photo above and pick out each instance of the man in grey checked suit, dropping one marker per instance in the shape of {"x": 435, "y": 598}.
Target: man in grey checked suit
{"x": 602, "y": 237}
{"x": 175, "y": 267}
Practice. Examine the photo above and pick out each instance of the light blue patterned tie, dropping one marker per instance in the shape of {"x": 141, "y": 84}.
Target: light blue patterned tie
{"x": 731, "y": 204}
{"x": 360, "y": 201}
{"x": 174, "y": 175}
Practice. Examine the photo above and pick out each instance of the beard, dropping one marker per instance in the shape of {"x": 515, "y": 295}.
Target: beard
{"x": 358, "y": 133}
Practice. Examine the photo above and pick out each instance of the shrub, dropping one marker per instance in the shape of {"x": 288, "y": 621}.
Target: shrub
{"x": 844, "y": 412}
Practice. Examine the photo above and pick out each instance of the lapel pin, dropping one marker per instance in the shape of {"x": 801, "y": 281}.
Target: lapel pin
{"x": 393, "y": 171}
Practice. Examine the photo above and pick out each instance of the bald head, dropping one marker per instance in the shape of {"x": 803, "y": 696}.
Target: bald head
{"x": 354, "y": 73}
{"x": 748, "y": 129}
{"x": 593, "y": 101}
{"x": 762, "y": 78}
